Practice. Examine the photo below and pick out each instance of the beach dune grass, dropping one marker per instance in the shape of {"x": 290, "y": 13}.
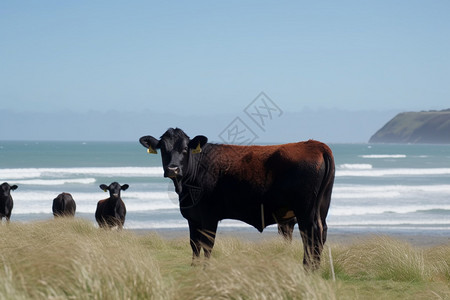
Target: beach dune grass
{"x": 72, "y": 259}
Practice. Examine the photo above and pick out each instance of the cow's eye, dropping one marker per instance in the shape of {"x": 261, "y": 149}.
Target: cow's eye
{"x": 185, "y": 149}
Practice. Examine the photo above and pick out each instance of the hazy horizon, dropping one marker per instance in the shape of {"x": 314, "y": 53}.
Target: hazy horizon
{"x": 337, "y": 126}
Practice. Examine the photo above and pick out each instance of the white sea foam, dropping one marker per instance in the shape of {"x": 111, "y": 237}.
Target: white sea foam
{"x": 391, "y": 222}
{"x": 355, "y": 166}
{"x": 355, "y": 210}
{"x": 27, "y": 173}
{"x": 387, "y": 191}
{"x": 11, "y": 174}
{"x": 55, "y": 181}
{"x": 383, "y": 228}
{"x": 394, "y": 172}
{"x": 383, "y": 156}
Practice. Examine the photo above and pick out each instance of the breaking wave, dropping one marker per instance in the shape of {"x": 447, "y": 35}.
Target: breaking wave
{"x": 55, "y": 181}
{"x": 27, "y": 173}
{"x": 355, "y": 166}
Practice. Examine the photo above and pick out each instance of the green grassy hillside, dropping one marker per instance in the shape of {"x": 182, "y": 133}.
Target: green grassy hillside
{"x": 72, "y": 259}
{"x": 416, "y": 127}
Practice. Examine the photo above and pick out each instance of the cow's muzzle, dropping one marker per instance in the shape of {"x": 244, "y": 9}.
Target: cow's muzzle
{"x": 172, "y": 172}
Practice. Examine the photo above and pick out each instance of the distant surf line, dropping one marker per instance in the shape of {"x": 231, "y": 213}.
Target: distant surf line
{"x": 28, "y": 173}
{"x": 383, "y": 156}
{"x": 393, "y": 172}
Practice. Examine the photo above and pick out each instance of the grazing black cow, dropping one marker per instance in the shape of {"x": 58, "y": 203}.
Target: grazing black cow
{"x": 111, "y": 212}
{"x": 260, "y": 185}
{"x": 64, "y": 205}
{"x": 6, "y": 201}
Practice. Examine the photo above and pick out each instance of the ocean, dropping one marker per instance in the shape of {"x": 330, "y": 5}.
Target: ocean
{"x": 379, "y": 189}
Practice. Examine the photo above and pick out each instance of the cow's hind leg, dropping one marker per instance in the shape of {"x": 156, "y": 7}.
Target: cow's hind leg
{"x": 313, "y": 239}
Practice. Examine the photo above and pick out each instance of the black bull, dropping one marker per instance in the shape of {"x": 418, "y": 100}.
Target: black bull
{"x": 259, "y": 185}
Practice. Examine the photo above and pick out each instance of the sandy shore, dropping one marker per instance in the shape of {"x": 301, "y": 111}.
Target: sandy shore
{"x": 333, "y": 238}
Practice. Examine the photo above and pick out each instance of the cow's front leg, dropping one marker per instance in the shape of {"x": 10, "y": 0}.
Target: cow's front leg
{"x": 195, "y": 236}
{"x": 208, "y": 237}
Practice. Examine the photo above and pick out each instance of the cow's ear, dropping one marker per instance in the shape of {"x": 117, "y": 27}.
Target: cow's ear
{"x": 124, "y": 187}
{"x": 197, "y": 143}
{"x": 150, "y": 143}
{"x": 104, "y": 187}
{"x": 14, "y": 187}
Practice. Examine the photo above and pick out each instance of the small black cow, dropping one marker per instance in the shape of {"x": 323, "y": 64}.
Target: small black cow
{"x": 6, "y": 201}
{"x": 111, "y": 212}
{"x": 260, "y": 185}
{"x": 64, "y": 206}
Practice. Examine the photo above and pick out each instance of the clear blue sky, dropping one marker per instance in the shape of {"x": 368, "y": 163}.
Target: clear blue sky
{"x": 206, "y": 57}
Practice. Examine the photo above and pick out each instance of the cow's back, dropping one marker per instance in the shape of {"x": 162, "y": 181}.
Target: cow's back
{"x": 64, "y": 205}
{"x": 262, "y": 165}
{"x": 302, "y": 160}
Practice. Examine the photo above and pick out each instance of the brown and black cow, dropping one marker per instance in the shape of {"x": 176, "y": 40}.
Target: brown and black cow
{"x": 259, "y": 185}
{"x": 64, "y": 206}
{"x": 111, "y": 212}
{"x": 6, "y": 201}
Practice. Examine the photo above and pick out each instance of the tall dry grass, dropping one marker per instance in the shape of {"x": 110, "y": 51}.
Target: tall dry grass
{"x": 72, "y": 259}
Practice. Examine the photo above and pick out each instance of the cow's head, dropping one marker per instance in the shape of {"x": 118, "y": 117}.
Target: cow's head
{"x": 5, "y": 189}
{"x": 114, "y": 189}
{"x": 176, "y": 148}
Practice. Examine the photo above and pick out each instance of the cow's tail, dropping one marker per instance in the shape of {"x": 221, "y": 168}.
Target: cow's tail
{"x": 328, "y": 178}
{"x": 324, "y": 194}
